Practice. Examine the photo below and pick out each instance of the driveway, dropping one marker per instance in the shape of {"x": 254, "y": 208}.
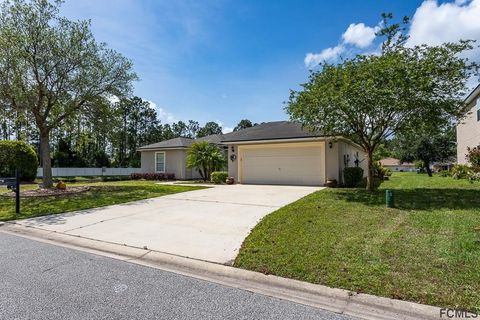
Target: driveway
{"x": 208, "y": 224}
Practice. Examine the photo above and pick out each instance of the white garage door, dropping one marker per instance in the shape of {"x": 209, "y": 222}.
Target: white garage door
{"x": 289, "y": 164}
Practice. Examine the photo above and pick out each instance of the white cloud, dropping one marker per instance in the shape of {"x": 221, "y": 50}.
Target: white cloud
{"x": 225, "y": 129}
{"x": 359, "y": 35}
{"x": 356, "y": 36}
{"x": 328, "y": 54}
{"x": 163, "y": 115}
{"x": 435, "y": 23}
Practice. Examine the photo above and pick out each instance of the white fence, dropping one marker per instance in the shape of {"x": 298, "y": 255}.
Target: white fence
{"x": 88, "y": 172}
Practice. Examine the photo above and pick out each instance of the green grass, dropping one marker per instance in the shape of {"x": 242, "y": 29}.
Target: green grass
{"x": 101, "y": 194}
{"x": 425, "y": 250}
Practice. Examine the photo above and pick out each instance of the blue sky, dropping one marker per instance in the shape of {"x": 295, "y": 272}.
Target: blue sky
{"x": 229, "y": 60}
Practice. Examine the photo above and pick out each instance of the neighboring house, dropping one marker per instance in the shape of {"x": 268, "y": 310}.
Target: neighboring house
{"x": 171, "y": 156}
{"x": 396, "y": 166}
{"x": 279, "y": 152}
{"x": 468, "y": 131}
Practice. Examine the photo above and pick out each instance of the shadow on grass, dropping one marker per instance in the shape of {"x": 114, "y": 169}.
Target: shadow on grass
{"x": 418, "y": 198}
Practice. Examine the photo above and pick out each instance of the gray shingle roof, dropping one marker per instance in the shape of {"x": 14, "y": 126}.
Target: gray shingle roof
{"x": 214, "y": 138}
{"x": 265, "y": 131}
{"x": 270, "y": 131}
{"x": 180, "y": 142}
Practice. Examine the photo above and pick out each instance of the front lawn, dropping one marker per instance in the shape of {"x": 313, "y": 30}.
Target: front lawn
{"x": 100, "y": 194}
{"x": 425, "y": 250}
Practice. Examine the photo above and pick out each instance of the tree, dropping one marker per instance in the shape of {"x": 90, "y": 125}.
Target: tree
{"x": 370, "y": 98}
{"x": 428, "y": 147}
{"x": 192, "y": 129}
{"x": 243, "y": 124}
{"x": 52, "y": 69}
{"x": 209, "y": 129}
{"x": 206, "y": 158}
{"x": 382, "y": 151}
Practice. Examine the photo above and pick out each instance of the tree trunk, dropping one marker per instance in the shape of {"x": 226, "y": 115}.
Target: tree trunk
{"x": 370, "y": 178}
{"x": 427, "y": 167}
{"x": 46, "y": 160}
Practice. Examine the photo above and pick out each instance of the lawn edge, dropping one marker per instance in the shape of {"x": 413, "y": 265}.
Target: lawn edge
{"x": 341, "y": 301}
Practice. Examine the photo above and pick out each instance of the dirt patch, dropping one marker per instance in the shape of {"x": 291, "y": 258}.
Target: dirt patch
{"x": 49, "y": 192}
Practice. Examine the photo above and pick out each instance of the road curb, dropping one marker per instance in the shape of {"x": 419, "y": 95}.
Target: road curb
{"x": 362, "y": 306}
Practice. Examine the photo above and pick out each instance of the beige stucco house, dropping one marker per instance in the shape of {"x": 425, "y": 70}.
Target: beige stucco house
{"x": 280, "y": 152}
{"x": 468, "y": 130}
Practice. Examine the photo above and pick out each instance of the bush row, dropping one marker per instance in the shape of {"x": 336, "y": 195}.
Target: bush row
{"x": 219, "y": 177}
{"x": 153, "y": 176}
{"x": 462, "y": 171}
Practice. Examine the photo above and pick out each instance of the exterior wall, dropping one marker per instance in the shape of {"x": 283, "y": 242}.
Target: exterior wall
{"x": 233, "y": 165}
{"x": 175, "y": 162}
{"x": 351, "y": 150}
{"x": 468, "y": 132}
{"x": 332, "y": 165}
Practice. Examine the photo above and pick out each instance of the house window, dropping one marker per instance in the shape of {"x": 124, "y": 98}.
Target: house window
{"x": 160, "y": 161}
{"x": 478, "y": 109}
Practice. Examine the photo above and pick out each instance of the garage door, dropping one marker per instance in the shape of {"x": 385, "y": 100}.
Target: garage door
{"x": 289, "y": 164}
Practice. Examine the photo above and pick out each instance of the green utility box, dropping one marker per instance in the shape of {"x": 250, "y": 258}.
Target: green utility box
{"x": 390, "y": 200}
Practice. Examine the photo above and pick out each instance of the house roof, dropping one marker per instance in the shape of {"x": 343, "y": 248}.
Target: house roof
{"x": 473, "y": 94}
{"x": 394, "y": 162}
{"x": 180, "y": 142}
{"x": 270, "y": 131}
{"x": 214, "y": 138}
{"x": 265, "y": 131}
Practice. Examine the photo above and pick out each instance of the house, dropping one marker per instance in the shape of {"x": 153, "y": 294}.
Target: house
{"x": 468, "y": 131}
{"x": 280, "y": 152}
{"x": 396, "y": 166}
{"x": 171, "y": 156}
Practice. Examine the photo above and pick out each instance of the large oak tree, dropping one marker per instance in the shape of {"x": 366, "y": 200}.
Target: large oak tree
{"x": 372, "y": 97}
{"x": 52, "y": 68}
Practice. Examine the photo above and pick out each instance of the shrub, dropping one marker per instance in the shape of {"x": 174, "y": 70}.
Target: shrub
{"x": 153, "y": 176}
{"x": 473, "y": 157}
{"x": 380, "y": 172}
{"x": 352, "y": 176}
{"x": 18, "y": 154}
{"x": 219, "y": 177}
{"x": 461, "y": 171}
{"x": 474, "y": 176}
{"x": 445, "y": 173}
{"x": 206, "y": 158}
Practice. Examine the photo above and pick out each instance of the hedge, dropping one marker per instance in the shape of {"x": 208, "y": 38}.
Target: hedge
{"x": 153, "y": 176}
{"x": 352, "y": 176}
{"x": 219, "y": 177}
{"x": 18, "y": 154}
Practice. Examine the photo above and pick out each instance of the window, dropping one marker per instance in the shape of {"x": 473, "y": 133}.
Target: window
{"x": 160, "y": 161}
{"x": 478, "y": 109}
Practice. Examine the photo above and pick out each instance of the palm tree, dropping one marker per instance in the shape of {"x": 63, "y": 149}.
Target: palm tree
{"x": 206, "y": 158}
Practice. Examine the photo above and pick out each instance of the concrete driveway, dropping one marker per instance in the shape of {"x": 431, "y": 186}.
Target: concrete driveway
{"x": 208, "y": 224}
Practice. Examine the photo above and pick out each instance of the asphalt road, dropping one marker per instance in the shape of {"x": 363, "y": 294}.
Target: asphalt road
{"x": 43, "y": 281}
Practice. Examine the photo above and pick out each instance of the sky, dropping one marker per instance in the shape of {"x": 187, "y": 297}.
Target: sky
{"x": 223, "y": 61}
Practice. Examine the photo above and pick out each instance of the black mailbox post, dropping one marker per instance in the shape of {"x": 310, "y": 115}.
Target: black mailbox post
{"x": 13, "y": 184}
